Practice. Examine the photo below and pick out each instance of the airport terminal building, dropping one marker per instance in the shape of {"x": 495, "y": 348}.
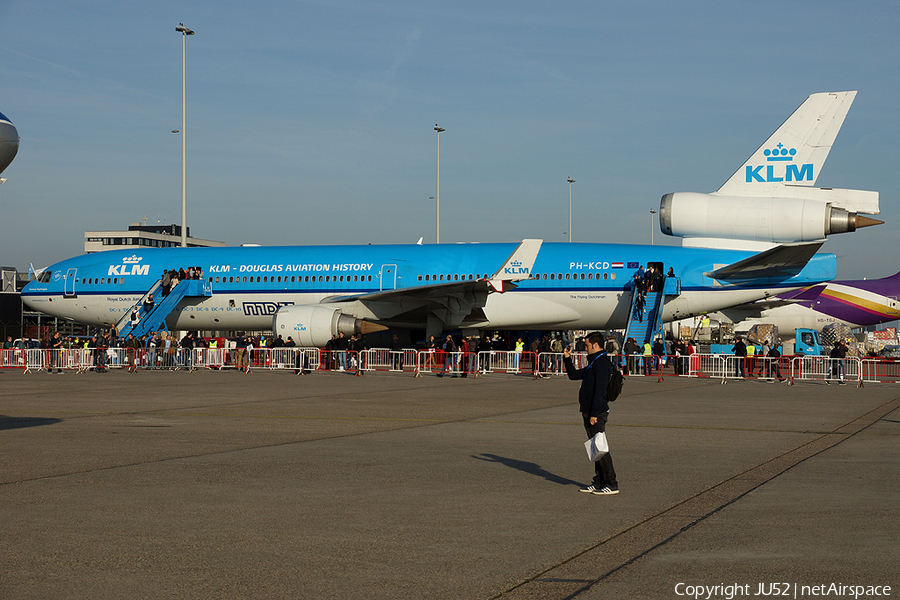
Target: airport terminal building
{"x": 140, "y": 236}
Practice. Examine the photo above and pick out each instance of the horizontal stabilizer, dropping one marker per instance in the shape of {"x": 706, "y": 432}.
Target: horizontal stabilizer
{"x": 803, "y": 295}
{"x": 782, "y": 262}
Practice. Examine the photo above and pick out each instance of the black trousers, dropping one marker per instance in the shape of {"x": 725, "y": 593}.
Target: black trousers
{"x": 604, "y": 472}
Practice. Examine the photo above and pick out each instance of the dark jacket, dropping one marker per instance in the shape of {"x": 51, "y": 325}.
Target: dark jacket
{"x": 594, "y": 381}
{"x": 631, "y": 347}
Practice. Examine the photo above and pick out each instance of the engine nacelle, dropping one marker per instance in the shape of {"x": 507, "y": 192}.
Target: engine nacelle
{"x": 314, "y": 325}
{"x": 779, "y": 220}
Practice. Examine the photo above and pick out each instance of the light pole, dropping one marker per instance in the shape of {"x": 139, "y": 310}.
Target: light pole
{"x": 437, "y": 195}
{"x": 571, "y": 181}
{"x": 184, "y": 31}
{"x": 652, "y": 212}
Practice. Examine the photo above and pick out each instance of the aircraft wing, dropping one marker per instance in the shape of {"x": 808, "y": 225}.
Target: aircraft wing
{"x": 780, "y": 262}
{"x": 450, "y": 301}
{"x": 754, "y": 310}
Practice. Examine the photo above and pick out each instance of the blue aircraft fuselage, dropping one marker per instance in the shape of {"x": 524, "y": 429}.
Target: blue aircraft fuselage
{"x": 569, "y": 285}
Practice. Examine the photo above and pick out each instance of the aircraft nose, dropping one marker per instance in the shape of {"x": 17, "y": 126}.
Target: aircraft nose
{"x": 9, "y": 142}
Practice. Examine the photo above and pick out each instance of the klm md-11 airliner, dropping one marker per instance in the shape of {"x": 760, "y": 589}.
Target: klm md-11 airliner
{"x": 755, "y": 238}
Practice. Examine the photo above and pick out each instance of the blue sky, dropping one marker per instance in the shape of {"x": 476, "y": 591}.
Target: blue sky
{"x": 312, "y": 122}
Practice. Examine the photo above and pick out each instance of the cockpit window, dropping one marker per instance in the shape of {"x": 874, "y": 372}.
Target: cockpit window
{"x": 45, "y": 276}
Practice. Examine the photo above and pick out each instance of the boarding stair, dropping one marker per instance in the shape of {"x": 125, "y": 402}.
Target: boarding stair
{"x": 646, "y": 324}
{"x": 155, "y": 318}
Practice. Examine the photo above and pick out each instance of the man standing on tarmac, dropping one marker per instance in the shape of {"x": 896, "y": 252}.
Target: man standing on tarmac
{"x": 740, "y": 351}
{"x": 595, "y": 407}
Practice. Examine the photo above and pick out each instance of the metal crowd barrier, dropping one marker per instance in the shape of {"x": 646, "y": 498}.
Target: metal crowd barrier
{"x": 12, "y": 358}
{"x": 384, "y": 359}
{"x": 880, "y": 370}
{"x": 724, "y": 367}
{"x": 502, "y": 361}
{"x": 447, "y": 363}
{"x": 822, "y": 368}
{"x": 551, "y": 363}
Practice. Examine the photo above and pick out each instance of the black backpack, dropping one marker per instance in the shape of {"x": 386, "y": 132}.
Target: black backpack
{"x": 616, "y": 382}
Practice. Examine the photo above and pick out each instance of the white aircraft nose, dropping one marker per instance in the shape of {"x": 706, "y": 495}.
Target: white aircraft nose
{"x": 9, "y": 142}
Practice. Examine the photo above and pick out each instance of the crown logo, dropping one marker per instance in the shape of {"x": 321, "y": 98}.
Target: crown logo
{"x": 132, "y": 259}
{"x": 780, "y": 153}
{"x": 516, "y": 263}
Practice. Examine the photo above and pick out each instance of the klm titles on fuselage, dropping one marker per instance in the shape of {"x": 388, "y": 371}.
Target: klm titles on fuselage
{"x": 318, "y": 267}
{"x": 130, "y": 266}
{"x": 779, "y": 154}
{"x": 128, "y": 270}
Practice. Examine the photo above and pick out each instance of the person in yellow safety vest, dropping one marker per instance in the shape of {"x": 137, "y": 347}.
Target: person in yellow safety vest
{"x": 213, "y": 343}
{"x": 520, "y": 347}
{"x": 751, "y": 363}
{"x": 648, "y": 358}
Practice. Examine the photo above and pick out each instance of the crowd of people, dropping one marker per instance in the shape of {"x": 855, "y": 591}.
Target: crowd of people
{"x": 644, "y": 281}
{"x": 171, "y": 278}
{"x": 454, "y": 355}
{"x": 747, "y": 358}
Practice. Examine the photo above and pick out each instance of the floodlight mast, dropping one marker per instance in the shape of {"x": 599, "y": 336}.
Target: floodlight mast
{"x": 184, "y": 31}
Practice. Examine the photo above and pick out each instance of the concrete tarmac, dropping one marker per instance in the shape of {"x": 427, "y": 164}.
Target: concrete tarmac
{"x": 270, "y": 485}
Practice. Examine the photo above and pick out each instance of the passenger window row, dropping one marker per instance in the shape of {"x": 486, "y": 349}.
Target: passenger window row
{"x": 572, "y": 276}
{"x": 535, "y": 276}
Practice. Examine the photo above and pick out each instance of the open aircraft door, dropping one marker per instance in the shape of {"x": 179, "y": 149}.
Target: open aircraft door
{"x": 69, "y": 283}
{"x": 388, "y": 277}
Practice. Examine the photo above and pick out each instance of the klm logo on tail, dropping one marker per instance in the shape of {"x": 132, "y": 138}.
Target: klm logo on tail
{"x": 791, "y": 172}
{"x": 515, "y": 268}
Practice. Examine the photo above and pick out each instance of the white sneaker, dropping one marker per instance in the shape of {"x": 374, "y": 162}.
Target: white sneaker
{"x": 606, "y": 491}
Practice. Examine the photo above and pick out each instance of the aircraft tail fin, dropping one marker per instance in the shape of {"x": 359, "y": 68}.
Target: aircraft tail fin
{"x": 518, "y": 266}
{"x": 34, "y": 273}
{"x": 795, "y": 153}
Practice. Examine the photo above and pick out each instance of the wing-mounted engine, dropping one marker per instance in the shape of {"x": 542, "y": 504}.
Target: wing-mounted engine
{"x": 314, "y": 325}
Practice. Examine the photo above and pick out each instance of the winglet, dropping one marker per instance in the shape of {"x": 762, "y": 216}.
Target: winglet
{"x": 517, "y": 267}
